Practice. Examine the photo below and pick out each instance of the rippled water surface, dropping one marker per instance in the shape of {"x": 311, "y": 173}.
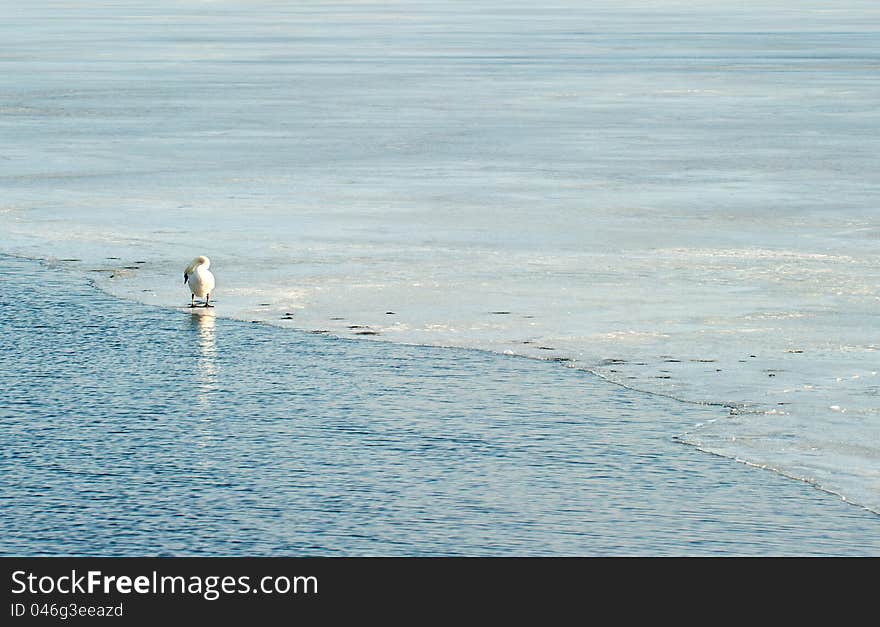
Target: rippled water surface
{"x": 132, "y": 430}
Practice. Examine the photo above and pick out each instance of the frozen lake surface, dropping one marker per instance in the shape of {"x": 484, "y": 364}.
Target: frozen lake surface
{"x": 681, "y": 199}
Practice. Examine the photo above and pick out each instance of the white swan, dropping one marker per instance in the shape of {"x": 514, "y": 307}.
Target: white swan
{"x": 199, "y": 279}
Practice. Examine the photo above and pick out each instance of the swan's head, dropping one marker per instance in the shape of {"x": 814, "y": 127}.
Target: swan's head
{"x": 201, "y": 260}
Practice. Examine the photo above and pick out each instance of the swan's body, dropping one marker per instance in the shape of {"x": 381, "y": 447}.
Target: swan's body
{"x": 199, "y": 279}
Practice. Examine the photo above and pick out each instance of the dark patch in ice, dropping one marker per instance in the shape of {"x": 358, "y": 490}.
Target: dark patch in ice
{"x": 358, "y": 326}
{"x": 390, "y": 313}
{"x": 70, "y": 259}
{"x": 672, "y": 361}
{"x": 131, "y": 267}
{"x": 704, "y": 361}
{"x": 499, "y": 313}
{"x": 366, "y": 333}
{"x": 319, "y": 331}
{"x": 794, "y": 350}
{"x": 113, "y": 258}
{"x": 337, "y": 318}
{"x": 609, "y": 362}
{"x": 662, "y": 376}
{"x": 546, "y": 348}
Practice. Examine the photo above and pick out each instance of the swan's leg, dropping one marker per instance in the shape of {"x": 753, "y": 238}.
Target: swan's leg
{"x": 192, "y": 300}
{"x": 208, "y": 300}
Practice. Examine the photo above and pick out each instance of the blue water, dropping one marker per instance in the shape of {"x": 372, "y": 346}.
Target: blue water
{"x": 127, "y": 429}
{"x": 680, "y": 196}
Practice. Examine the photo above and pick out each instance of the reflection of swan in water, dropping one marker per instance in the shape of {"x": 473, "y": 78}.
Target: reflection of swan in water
{"x": 206, "y": 369}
